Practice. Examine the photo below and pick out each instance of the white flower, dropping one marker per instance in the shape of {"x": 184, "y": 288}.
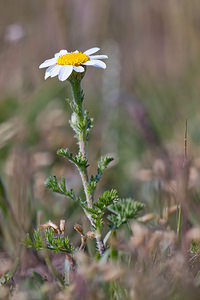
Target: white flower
{"x": 65, "y": 62}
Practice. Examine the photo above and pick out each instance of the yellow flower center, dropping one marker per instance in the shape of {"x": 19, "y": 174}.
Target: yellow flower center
{"x": 75, "y": 59}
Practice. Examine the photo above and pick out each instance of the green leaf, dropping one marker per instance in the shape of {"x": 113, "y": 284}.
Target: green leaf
{"x": 28, "y": 242}
{"x": 108, "y": 198}
{"x": 38, "y": 277}
{"x": 4, "y": 204}
{"x": 5, "y": 278}
{"x": 65, "y": 153}
{"x": 123, "y": 210}
{"x": 52, "y": 184}
{"x": 99, "y": 207}
{"x": 102, "y": 165}
{"x": 78, "y": 160}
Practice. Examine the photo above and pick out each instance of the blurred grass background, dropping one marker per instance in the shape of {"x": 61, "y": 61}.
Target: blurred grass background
{"x": 139, "y": 103}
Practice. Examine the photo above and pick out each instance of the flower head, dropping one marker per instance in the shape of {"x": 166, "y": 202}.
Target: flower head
{"x": 64, "y": 62}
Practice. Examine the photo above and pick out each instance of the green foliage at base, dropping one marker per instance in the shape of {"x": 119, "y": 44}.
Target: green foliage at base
{"x": 49, "y": 240}
{"x": 6, "y": 277}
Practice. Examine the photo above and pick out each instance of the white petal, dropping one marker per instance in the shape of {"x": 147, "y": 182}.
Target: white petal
{"x": 61, "y": 52}
{"x": 98, "y": 57}
{"x": 95, "y": 63}
{"x": 48, "y": 71}
{"x": 48, "y": 62}
{"x": 91, "y": 50}
{"x": 55, "y": 70}
{"x": 75, "y": 51}
{"x": 79, "y": 69}
{"x": 65, "y": 72}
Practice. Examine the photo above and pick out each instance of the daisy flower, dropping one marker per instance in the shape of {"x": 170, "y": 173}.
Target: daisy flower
{"x": 64, "y": 63}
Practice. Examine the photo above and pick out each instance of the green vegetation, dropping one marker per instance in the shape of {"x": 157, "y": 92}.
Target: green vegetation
{"x": 122, "y": 187}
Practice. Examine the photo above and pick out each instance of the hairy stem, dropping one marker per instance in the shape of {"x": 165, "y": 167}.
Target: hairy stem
{"x": 81, "y": 136}
{"x": 100, "y": 243}
{"x": 82, "y": 142}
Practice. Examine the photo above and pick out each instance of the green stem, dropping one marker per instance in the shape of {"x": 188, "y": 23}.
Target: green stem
{"x": 82, "y": 138}
{"x": 179, "y": 206}
{"x": 185, "y": 139}
{"x": 178, "y": 220}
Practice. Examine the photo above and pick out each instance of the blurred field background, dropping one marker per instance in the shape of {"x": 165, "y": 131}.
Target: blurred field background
{"x": 140, "y": 105}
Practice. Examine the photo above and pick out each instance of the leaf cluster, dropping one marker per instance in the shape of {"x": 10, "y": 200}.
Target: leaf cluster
{"x": 99, "y": 207}
{"x": 80, "y": 161}
{"x": 80, "y": 120}
{"x": 123, "y": 210}
{"x": 49, "y": 240}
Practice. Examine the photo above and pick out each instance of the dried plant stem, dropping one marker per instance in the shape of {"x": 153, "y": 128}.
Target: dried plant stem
{"x": 82, "y": 142}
